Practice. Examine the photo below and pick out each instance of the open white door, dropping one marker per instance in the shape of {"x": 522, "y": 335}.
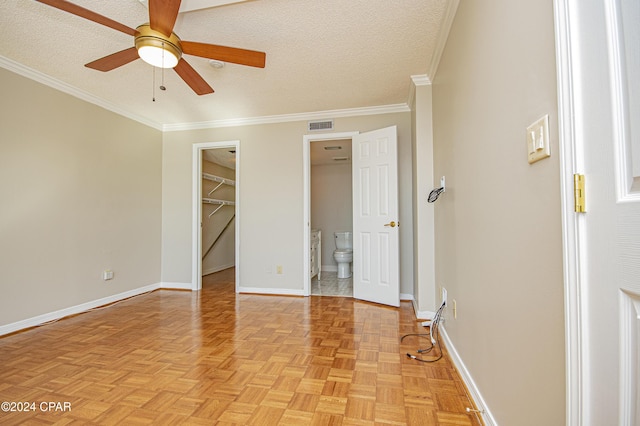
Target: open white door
{"x": 376, "y": 273}
{"x": 599, "y": 64}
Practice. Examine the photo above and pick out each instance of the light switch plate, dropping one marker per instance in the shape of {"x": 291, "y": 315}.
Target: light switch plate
{"x": 538, "y": 140}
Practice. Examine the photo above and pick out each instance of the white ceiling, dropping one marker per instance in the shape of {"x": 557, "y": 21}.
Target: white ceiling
{"x": 191, "y": 5}
{"x": 335, "y": 151}
{"x": 321, "y": 55}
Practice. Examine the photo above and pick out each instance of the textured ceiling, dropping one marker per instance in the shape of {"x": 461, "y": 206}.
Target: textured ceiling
{"x": 321, "y": 55}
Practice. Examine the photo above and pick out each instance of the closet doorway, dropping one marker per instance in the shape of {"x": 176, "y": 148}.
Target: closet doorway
{"x": 216, "y": 227}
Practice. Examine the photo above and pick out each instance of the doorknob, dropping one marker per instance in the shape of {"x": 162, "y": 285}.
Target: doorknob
{"x": 391, "y": 224}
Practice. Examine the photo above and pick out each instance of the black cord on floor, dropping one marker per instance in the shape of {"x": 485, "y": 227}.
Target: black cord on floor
{"x": 434, "y": 336}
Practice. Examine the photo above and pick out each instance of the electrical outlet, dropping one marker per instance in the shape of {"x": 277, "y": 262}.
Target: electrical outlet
{"x": 107, "y": 275}
{"x": 455, "y": 309}
{"x": 279, "y": 269}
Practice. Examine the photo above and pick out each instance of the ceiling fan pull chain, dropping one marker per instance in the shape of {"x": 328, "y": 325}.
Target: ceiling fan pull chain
{"x": 153, "y": 90}
{"x": 162, "y": 84}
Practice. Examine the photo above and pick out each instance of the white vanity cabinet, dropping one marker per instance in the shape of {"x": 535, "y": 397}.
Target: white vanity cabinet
{"x": 316, "y": 252}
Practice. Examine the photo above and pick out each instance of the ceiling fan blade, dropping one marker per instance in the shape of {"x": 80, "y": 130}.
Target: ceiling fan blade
{"x": 88, "y": 14}
{"x": 163, "y": 15}
{"x": 251, "y": 58}
{"x": 114, "y": 60}
{"x": 192, "y": 78}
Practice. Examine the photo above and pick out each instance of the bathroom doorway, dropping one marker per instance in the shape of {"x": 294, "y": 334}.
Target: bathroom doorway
{"x": 375, "y": 223}
{"x": 330, "y": 207}
{"x": 216, "y": 204}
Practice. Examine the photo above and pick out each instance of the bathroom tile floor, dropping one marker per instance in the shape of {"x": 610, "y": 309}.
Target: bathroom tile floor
{"x": 331, "y": 285}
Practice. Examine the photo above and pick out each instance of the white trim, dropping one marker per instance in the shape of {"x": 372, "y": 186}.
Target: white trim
{"x": 421, "y": 80}
{"x": 424, "y": 315}
{"x": 476, "y": 396}
{"x": 272, "y": 291}
{"x": 443, "y": 36}
{"x": 40, "y": 77}
{"x": 217, "y": 269}
{"x": 629, "y": 355}
{"x": 196, "y": 197}
{"x": 32, "y": 74}
{"x": 175, "y": 286}
{"x": 306, "y": 213}
{"x": 285, "y": 118}
{"x": 420, "y": 315}
{"x": 417, "y": 80}
{"x": 623, "y": 168}
{"x": 74, "y": 310}
{"x": 572, "y": 224}
{"x": 407, "y": 297}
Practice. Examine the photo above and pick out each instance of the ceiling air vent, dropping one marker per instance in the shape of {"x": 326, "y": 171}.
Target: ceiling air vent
{"x": 314, "y": 126}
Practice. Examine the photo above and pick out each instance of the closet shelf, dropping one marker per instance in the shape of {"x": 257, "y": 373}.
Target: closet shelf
{"x": 218, "y": 179}
{"x": 215, "y": 201}
{"x": 221, "y": 204}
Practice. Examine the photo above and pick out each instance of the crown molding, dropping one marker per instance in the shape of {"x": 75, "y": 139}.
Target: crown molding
{"x": 284, "y": 118}
{"x": 443, "y": 36}
{"x": 417, "y": 80}
{"x": 421, "y": 80}
{"x": 234, "y": 122}
{"x": 47, "y": 80}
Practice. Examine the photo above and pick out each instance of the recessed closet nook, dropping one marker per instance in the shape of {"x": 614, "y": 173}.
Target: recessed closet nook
{"x": 218, "y": 214}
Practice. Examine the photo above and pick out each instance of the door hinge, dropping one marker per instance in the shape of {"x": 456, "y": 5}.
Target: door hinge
{"x": 578, "y": 193}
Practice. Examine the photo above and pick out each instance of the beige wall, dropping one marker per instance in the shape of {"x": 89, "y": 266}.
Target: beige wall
{"x": 424, "y": 286}
{"x": 498, "y": 226}
{"x": 331, "y": 206}
{"x": 80, "y": 191}
{"x": 271, "y": 199}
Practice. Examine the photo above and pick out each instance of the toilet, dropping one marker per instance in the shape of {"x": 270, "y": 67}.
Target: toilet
{"x": 343, "y": 253}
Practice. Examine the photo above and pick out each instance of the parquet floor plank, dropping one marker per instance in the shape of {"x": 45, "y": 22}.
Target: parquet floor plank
{"x": 215, "y": 357}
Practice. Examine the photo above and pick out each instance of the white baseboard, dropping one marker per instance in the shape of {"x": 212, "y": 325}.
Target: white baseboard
{"x": 405, "y": 296}
{"x": 329, "y": 268}
{"x": 218, "y": 269}
{"x": 425, "y": 315}
{"x": 476, "y": 396}
{"x": 271, "y": 291}
{"x": 176, "y": 286}
{"x": 73, "y": 310}
{"x": 421, "y": 315}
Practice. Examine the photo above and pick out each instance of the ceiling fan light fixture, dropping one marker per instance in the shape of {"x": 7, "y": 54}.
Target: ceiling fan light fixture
{"x": 156, "y": 49}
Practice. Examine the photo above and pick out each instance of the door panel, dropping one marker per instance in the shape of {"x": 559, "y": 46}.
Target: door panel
{"x": 604, "y": 286}
{"x": 376, "y": 276}
{"x": 365, "y": 257}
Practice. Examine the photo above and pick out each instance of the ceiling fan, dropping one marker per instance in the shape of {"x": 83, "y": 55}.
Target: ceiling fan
{"x": 157, "y": 44}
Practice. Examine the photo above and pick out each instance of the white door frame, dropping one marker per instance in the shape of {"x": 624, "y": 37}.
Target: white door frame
{"x": 196, "y": 269}
{"x": 306, "y": 215}
{"x": 574, "y": 249}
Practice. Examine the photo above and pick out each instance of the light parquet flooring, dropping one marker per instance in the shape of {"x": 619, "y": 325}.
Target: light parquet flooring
{"x": 214, "y": 357}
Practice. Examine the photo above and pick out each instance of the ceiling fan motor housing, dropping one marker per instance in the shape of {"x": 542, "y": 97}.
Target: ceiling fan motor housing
{"x": 155, "y": 41}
